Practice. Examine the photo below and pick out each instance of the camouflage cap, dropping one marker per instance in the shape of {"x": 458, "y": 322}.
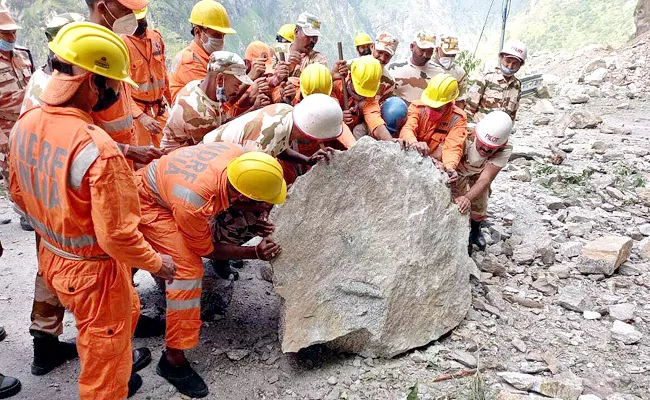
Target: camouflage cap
{"x": 7, "y": 23}
{"x": 58, "y": 21}
{"x": 225, "y": 62}
{"x": 386, "y": 42}
{"x": 449, "y": 45}
{"x": 309, "y": 23}
{"x": 424, "y": 39}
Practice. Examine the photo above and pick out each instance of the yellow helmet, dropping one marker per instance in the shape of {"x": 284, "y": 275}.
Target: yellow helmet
{"x": 366, "y": 75}
{"x": 442, "y": 89}
{"x": 288, "y": 31}
{"x": 316, "y": 78}
{"x": 95, "y": 49}
{"x": 141, "y": 14}
{"x": 258, "y": 176}
{"x": 210, "y": 14}
{"x": 361, "y": 39}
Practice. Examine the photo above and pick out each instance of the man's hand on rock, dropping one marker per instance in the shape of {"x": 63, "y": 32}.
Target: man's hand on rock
{"x": 421, "y": 147}
{"x": 325, "y": 154}
{"x": 463, "y": 203}
{"x": 267, "y": 250}
{"x": 453, "y": 175}
{"x": 143, "y": 154}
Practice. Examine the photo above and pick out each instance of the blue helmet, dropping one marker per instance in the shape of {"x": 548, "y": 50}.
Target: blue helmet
{"x": 394, "y": 111}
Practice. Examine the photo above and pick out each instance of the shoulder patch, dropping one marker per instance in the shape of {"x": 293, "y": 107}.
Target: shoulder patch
{"x": 105, "y": 144}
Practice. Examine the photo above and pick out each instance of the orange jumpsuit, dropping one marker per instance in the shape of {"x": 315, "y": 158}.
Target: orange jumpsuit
{"x": 365, "y": 111}
{"x": 179, "y": 194}
{"x": 149, "y": 71}
{"x": 189, "y": 65}
{"x": 74, "y": 186}
{"x": 117, "y": 120}
{"x": 450, "y": 131}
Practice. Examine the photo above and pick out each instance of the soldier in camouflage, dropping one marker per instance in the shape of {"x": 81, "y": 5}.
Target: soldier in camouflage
{"x": 202, "y": 106}
{"x": 444, "y": 62}
{"x": 498, "y": 89}
{"x": 412, "y": 75}
{"x": 301, "y": 52}
{"x": 384, "y": 50}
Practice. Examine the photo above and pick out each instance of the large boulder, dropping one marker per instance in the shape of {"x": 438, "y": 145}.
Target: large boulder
{"x": 374, "y": 256}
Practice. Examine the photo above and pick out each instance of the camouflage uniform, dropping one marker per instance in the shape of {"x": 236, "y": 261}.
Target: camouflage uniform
{"x": 15, "y": 73}
{"x": 310, "y": 24}
{"x": 457, "y": 72}
{"x": 387, "y": 43}
{"x": 469, "y": 170}
{"x": 35, "y": 87}
{"x": 311, "y": 58}
{"x": 411, "y": 80}
{"x": 493, "y": 92}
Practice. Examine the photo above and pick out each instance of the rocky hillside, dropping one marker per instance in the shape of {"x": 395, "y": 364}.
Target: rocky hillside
{"x": 554, "y": 24}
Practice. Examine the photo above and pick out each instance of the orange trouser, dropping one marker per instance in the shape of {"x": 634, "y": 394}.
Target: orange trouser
{"x": 144, "y": 137}
{"x": 184, "y": 294}
{"x": 105, "y": 307}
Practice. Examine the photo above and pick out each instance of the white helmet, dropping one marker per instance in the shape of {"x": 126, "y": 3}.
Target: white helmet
{"x": 517, "y": 49}
{"x": 319, "y": 117}
{"x": 494, "y": 129}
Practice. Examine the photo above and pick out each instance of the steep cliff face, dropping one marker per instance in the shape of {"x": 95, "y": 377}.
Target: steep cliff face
{"x": 642, "y": 17}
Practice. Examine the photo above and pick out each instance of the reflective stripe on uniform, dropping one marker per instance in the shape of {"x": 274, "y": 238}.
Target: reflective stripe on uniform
{"x": 81, "y": 164}
{"x": 116, "y": 126}
{"x": 183, "y": 304}
{"x": 70, "y": 256}
{"x": 72, "y": 242}
{"x": 153, "y": 185}
{"x": 185, "y": 284}
{"x": 454, "y": 119}
{"x": 189, "y": 196}
{"x": 150, "y": 86}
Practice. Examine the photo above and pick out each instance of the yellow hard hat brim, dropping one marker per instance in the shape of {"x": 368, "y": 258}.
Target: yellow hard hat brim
{"x": 361, "y": 91}
{"x": 280, "y": 198}
{"x": 226, "y": 31}
{"x": 433, "y": 104}
{"x": 130, "y": 82}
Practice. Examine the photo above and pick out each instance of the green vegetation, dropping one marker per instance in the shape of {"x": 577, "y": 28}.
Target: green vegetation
{"x": 468, "y": 61}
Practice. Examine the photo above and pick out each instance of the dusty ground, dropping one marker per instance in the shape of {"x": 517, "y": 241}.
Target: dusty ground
{"x": 239, "y": 353}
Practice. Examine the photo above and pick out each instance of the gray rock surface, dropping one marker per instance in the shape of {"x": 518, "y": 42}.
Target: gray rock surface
{"x": 382, "y": 265}
{"x": 605, "y": 255}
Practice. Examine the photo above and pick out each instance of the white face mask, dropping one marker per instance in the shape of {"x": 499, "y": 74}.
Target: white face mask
{"x": 446, "y": 62}
{"x": 213, "y": 44}
{"x": 125, "y": 25}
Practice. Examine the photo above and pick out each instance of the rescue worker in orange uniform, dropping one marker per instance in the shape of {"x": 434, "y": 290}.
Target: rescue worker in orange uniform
{"x": 210, "y": 24}
{"x": 16, "y": 69}
{"x": 117, "y": 120}
{"x": 179, "y": 195}
{"x": 149, "y": 71}
{"x": 362, "y": 114}
{"x": 74, "y": 186}
{"x": 435, "y": 126}
{"x": 271, "y": 82}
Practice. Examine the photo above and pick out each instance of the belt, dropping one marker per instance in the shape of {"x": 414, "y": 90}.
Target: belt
{"x": 158, "y": 102}
{"x": 70, "y": 256}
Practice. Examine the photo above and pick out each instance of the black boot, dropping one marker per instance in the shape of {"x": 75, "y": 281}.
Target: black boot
{"x": 135, "y": 383}
{"x": 239, "y": 264}
{"x": 476, "y": 236}
{"x": 8, "y": 386}
{"x": 184, "y": 378}
{"x": 141, "y": 358}
{"x": 148, "y": 327}
{"x": 26, "y": 226}
{"x": 223, "y": 269}
{"x": 49, "y": 353}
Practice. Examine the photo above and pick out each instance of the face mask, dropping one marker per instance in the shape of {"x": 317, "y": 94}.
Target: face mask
{"x": 212, "y": 45}
{"x": 142, "y": 28}
{"x": 433, "y": 115}
{"x": 107, "y": 95}
{"x": 7, "y": 46}
{"x": 446, "y": 62}
{"x": 507, "y": 71}
{"x": 125, "y": 25}
{"x": 221, "y": 94}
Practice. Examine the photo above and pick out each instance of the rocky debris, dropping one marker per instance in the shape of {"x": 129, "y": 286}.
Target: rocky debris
{"x": 584, "y": 120}
{"x": 520, "y": 345}
{"x": 567, "y": 387}
{"x": 591, "y": 315}
{"x": 589, "y": 397}
{"x": 622, "y": 312}
{"x": 579, "y": 98}
{"x": 543, "y": 107}
{"x": 572, "y": 298}
{"x": 604, "y": 255}
{"x": 363, "y": 275}
{"x": 596, "y": 77}
{"x": 238, "y": 354}
{"x": 625, "y": 333}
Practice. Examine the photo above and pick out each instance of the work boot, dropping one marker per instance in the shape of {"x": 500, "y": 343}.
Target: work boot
{"x": 26, "y": 225}
{"x": 8, "y": 386}
{"x": 239, "y": 264}
{"x": 141, "y": 358}
{"x": 135, "y": 383}
{"x": 49, "y": 353}
{"x": 148, "y": 327}
{"x": 184, "y": 378}
{"x": 223, "y": 269}
{"x": 476, "y": 236}
{"x": 3, "y": 334}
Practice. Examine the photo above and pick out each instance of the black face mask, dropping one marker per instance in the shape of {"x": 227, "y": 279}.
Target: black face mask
{"x": 142, "y": 27}
{"x": 107, "y": 96}
{"x": 365, "y": 52}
